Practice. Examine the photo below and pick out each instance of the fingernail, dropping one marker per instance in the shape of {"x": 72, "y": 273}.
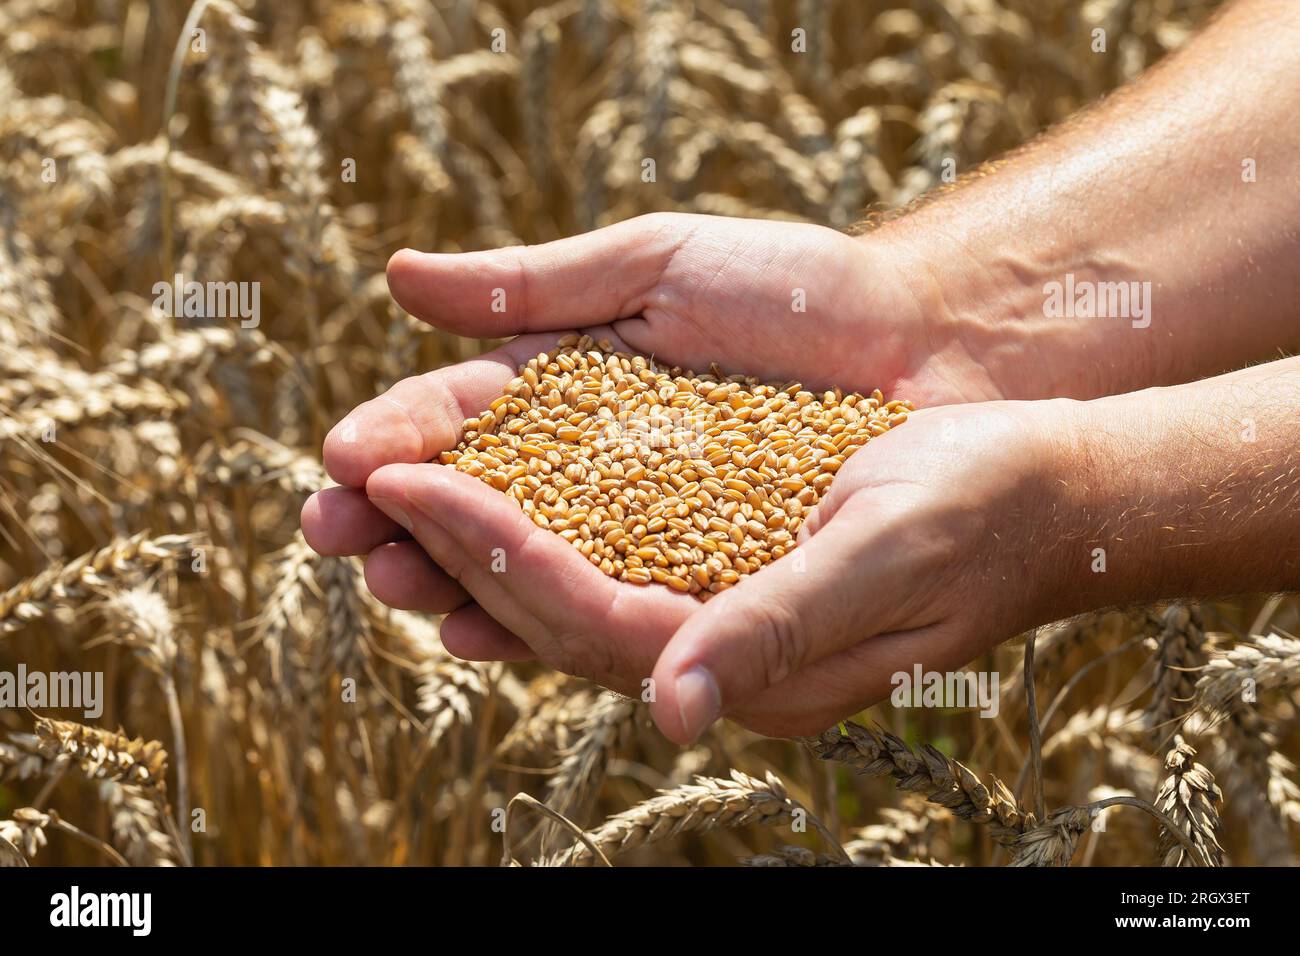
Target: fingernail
{"x": 699, "y": 702}
{"x": 391, "y": 508}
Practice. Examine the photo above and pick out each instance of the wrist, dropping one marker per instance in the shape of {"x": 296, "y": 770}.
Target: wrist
{"x": 1186, "y": 491}
{"x": 1017, "y": 304}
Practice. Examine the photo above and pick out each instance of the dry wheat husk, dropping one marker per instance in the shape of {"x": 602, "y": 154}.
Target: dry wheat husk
{"x": 582, "y": 768}
{"x": 104, "y": 755}
{"x": 924, "y": 770}
{"x": 450, "y": 691}
{"x": 1266, "y": 662}
{"x": 1180, "y": 655}
{"x": 137, "y": 825}
{"x": 1190, "y": 797}
{"x": 1052, "y": 843}
{"x": 708, "y": 803}
{"x": 62, "y": 584}
{"x": 24, "y": 832}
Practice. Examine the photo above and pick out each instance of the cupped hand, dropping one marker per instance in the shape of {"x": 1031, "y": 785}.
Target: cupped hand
{"x": 899, "y": 564}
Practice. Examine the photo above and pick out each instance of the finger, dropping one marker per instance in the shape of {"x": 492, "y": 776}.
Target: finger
{"x": 472, "y": 634}
{"x": 402, "y": 575}
{"x": 391, "y": 489}
{"x": 798, "y": 610}
{"x": 342, "y": 521}
{"x": 594, "y": 277}
{"x": 850, "y": 681}
{"x": 421, "y": 416}
{"x": 533, "y": 581}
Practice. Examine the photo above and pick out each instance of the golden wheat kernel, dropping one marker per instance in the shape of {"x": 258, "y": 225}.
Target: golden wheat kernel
{"x": 678, "y": 583}
{"x": 638, "y": 575}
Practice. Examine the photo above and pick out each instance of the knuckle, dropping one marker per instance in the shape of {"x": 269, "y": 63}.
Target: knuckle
{"x": 453, "y": 562}
{"x": 657, "y": 220}
{"x": 580, "y": 656}
{"x": 782, "y": 646}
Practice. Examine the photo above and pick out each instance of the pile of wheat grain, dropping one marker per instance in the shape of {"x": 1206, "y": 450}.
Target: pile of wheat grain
{"x": 153, "y": 461}
{"x": 661, "y": 475}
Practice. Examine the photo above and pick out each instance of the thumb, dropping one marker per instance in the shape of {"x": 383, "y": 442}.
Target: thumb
{"x": 806, "y": 606}
{"x": 589, "y": 279}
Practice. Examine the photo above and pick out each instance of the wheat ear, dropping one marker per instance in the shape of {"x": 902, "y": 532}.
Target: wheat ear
{"x": 707, "y": 804}
{"x": 122, "y": 558}
{"x": 942, "y": 780}
{"x": 1189, "y": 796}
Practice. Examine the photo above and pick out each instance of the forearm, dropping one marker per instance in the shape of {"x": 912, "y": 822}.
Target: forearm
{"x": 1147, "y": 187}
{"x": 1184, "y": 491}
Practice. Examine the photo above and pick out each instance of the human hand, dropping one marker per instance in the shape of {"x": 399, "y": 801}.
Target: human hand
{"x": 915, "y": 556}
{"x": 775, "y": 300}
{"x": 918, "y": 555}
{"x": 706, "y": 290}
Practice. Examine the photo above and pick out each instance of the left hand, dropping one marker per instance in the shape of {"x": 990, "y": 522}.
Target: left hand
{"x": 917, "y": 555}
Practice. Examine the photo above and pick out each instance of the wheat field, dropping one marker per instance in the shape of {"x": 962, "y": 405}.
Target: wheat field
{"x": 259, "y": 706}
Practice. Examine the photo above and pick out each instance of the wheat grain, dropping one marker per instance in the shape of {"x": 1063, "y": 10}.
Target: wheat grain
{"x": 659, "y": 475}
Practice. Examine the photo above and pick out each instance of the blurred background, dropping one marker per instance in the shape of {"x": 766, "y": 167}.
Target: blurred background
{"x": 152, "y": 465}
